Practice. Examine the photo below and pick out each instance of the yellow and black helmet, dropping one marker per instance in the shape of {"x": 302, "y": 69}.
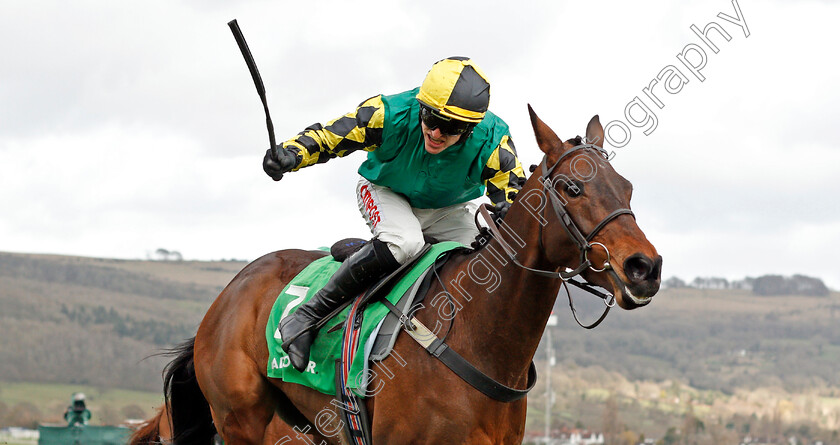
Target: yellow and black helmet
{"x": 456, "y": 88}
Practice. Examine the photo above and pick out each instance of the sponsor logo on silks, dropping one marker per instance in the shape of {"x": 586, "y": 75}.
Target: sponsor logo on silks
{"x": 370, "y": 206}
{"x": 284, "y": 362}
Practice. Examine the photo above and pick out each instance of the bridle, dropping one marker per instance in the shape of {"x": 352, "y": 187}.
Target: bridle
{"x": 458, "y": 364}
{"x": 583, "y": 242}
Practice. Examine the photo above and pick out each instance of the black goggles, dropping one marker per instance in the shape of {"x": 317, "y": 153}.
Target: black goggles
{"x": 452, "y": 127}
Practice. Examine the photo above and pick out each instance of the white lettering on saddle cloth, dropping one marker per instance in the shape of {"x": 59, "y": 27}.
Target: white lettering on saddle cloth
{"x": 370, "y": 206}
{"x": 285, "y": 363}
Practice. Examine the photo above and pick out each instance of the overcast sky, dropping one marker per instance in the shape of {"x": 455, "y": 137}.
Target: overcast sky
{"x": 129, "y": 126}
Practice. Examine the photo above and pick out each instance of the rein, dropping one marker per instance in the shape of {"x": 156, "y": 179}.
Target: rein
{"x": 438, "y": 348}
{"x": 583, "y": 242}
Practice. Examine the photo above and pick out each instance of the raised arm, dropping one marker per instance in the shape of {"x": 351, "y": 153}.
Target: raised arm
{"x": 360, "y": 129}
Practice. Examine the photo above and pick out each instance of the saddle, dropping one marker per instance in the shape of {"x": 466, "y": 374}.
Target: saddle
{"x": 386, "y": 332}
{"x": 405, "y": 280}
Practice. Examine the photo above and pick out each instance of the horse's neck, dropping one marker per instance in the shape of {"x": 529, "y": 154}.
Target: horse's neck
{"x": 502, "y": 308}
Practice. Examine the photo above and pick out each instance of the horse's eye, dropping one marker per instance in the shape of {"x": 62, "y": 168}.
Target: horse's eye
{"x": 574, "y": 188}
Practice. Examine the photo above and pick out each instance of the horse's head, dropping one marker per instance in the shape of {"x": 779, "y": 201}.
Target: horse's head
{"x": 586, "y": 217}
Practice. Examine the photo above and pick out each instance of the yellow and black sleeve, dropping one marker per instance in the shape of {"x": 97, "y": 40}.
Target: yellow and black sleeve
{"x": 503, "y": 175}
{"x": 360, "y": 129}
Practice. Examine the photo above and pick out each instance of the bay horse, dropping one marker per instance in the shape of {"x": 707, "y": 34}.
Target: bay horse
{"x": 571, "y": 214}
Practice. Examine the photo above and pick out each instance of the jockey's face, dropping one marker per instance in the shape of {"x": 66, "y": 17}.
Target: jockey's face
{"x": 435, "y": 141}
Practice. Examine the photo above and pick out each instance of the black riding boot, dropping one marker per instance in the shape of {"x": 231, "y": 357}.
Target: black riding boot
{"x": 372, "y": 262}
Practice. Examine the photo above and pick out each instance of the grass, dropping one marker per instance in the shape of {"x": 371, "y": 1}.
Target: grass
{"x": 43, "y": 393}
{"x": 4, "y": 440}
{"x": 51, "y": 399}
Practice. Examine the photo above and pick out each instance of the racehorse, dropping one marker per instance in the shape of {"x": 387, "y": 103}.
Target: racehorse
{"x": 571, "y": 218}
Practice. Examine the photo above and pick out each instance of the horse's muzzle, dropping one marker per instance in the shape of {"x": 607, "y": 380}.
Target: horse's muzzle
{"x": 644, "y": 275}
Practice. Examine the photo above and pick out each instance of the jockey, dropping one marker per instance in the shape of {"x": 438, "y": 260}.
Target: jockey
{"x": 77, "y": 413}
{"x": 430, "y": 151}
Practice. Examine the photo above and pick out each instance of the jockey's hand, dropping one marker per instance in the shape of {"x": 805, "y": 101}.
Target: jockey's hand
{"x": 501, "y": 209}
{"x": 278, "y": 161}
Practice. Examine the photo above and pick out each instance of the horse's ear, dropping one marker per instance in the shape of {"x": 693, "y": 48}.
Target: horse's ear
{"x": 595, "y": 132}
{"x": 546, "y": 138}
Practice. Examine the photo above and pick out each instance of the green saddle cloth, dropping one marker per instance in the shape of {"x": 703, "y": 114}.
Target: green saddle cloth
{"x": 320, "y": 374}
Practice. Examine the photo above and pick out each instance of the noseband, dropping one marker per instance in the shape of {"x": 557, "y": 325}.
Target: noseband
{"x": 583, "y": 242}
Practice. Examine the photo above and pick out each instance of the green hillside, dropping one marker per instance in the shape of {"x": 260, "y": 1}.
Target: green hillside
{"x": 95, "y": 321}
{"x": 713, "y": 339}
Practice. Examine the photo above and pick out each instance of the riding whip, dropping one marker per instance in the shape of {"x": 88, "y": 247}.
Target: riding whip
{"x": 255, "y": 74}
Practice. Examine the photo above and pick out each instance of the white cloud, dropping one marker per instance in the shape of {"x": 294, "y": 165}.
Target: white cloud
{"x": 128, "y": 127}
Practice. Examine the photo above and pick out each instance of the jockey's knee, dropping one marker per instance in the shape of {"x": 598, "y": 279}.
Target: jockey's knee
{"x": 403, "y": 247}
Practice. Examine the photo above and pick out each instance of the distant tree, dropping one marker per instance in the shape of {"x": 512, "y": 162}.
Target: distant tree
{"x": 672, "y": 437}
{"x": 776, "y": 424}
{"x": 690, "y": 426}
{"x": 675, "y": 389}
{"x": 162, "y": 254}
{"x": 718, "y": 283}
{"x": 673, "y": 283}
{"x": 168, "y": 255}
{"x": 610, "y": 420}
{"x": 809, "y": 286}
{"x": 803, "y": 431}
{"x": 796, "y": 285}
{"x": 746, "y": 283}
{"x": 746, "y": 427}
{"x": 770, "y": 285}
{"x": 628, "y": 437}
{"x": 710, "y": 283}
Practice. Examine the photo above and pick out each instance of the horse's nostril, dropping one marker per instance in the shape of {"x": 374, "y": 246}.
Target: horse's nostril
{"x": 656, "y": 273}
{"x": 639, "y": 268}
